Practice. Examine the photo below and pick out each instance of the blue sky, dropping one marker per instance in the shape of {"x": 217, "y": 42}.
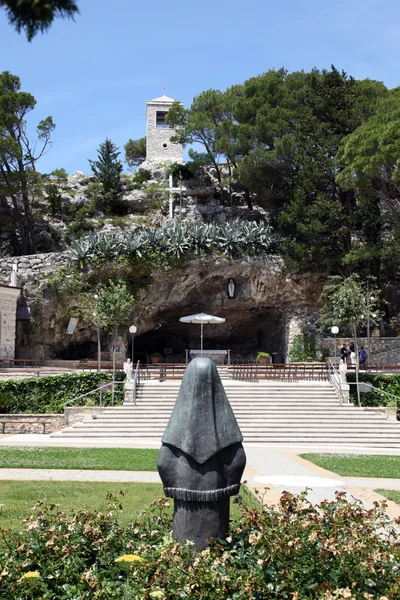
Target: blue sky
{"x": 95, "y": 75}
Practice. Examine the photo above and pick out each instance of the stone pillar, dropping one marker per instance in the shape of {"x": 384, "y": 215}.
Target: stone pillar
{"x": 296, "y": 324}
{"x": 8, "y": 310}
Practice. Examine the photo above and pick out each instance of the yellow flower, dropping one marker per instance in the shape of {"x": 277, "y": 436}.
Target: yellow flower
{"x": 31, "y": 575}
{"x": 157, "y": 594}
{"x": 129, "y": 558}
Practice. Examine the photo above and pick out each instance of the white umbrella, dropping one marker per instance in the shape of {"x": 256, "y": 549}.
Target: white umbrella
{"x": 202, "y": 318}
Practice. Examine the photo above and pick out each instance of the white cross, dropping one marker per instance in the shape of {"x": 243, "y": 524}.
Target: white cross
{"x": 173, "y": 189}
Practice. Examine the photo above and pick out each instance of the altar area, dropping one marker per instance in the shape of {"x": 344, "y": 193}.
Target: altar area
{"x": 218, "y": 356}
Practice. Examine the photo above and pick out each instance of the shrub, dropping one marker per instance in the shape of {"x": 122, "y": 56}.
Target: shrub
{"x": 47, "y": 394}
{"x": 179, "y": 171}
{"x": 138, "y": 179}
{"x": 386, "y": 383}
{"x": 294, "y": 551}
{"x": 235, "y": 238}
{"x": 262, "y": 355}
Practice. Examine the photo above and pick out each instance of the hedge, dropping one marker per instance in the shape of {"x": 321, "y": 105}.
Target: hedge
{"x": 48, "y": 394}
{"x": 293, "y": 551}
{"x": 387, "y": 383}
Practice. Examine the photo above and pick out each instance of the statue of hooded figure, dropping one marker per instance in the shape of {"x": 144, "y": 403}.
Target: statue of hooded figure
{"x": 201, "y": 460}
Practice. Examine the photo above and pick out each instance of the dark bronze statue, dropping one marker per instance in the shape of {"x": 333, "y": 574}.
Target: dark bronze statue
{"x": 201, "y": 460}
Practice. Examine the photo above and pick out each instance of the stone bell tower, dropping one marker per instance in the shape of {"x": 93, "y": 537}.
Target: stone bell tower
{"x": 159, "y": 148}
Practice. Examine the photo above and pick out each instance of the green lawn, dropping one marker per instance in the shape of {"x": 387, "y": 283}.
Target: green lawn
{"x": 357, "y": 465}
{"x": 390, "y": 495}
{"x": 117, "y": 459}
{"x": 18, "y": 497}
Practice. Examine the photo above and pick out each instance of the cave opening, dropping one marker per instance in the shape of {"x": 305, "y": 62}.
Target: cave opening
{"x": 261, "y": 329}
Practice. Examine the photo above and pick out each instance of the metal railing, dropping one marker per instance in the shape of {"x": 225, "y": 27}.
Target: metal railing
{"x": 101, "y": 389}
{"x": 372, "y": 387}
{"x": 162, "y": 371}
{"x": 335, "y": 377}
{"x": 136, "y": 381}
{"x": 280, "y": 372}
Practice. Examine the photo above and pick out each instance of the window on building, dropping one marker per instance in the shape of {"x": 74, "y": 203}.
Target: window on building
{"x": 161, "y": 119}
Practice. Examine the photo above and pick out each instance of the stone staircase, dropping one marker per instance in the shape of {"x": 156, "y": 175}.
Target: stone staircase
{"x": 271, "y": 412}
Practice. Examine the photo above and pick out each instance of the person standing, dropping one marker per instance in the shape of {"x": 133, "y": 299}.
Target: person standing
{"x": 344, "y": 353}
{"x": 352, "y": 355}
{"x": 363, "y": 357}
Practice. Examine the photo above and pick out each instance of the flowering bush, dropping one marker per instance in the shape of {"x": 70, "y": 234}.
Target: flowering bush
{"x": 292, "y": 551}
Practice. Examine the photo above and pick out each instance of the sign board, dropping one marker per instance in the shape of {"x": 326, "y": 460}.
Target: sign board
{"x": 72, "y": 325}
{"x": 365, "y": 389}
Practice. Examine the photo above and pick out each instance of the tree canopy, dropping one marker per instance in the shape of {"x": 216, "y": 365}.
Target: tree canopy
{"x": 34, "y": 16}
{"x": 135, "y": 152}
{"x": 19, "y": 154}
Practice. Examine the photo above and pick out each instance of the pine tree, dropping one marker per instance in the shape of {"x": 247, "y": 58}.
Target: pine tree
{"x": 107, "y": 169}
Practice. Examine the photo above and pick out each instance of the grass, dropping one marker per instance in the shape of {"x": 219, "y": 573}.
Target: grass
{"x": 358, "y": 465}
{"x": 390, "y": 495}
{"x": 112, "y": 459}
{"x": 18, "y": 497}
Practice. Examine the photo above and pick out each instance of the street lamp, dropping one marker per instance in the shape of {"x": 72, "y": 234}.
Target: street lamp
{"x": 133, "y": 330}
{"x": 369, "y": 299}
{"x": 96, "y": 297}
{"x": 335, "y": 331}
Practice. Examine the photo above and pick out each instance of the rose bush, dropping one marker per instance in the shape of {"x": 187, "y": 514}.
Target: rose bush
{"x": 292, "y": 551}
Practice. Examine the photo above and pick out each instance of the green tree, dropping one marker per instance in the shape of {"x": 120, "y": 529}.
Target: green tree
{"x": 369, "y": 159}
{"x": 320, "y": 219}
{"x": 347, "y": 303}
{"x": 135, "y": 152}
{"x": 200, "y": 125}
{"x": 18, "y": 157}
{"x": 107, "y": 169}
{"x": 34, "y": 16}
{"x": 53, "y": 189}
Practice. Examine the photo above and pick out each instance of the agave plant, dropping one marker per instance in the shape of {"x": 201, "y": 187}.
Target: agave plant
{"x": 200, "y": 237}
{"x": 81, "y": 250}
{"x": 108, "y": 247}
{"x": 257, "y": 237}
{"x": 231, "y": 239}
{"x": 176, "y": 238}
{"x": 135, "y": 244}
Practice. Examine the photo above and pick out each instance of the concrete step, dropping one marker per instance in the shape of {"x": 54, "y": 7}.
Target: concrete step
{"x": 267, "y": 413}
{"x": 364, "y": 441}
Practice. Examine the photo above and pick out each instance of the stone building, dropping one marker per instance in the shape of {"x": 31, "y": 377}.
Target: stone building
{"x": 8, "y": 311}
{"x": 159, "y": 148}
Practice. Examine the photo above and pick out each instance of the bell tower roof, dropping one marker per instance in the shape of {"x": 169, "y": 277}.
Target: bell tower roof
{"x": 163, "y": 99}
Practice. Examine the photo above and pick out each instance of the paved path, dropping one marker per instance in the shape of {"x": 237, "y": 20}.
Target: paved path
{"x": 79, "y": 475}
{"x": 265, "y": 461}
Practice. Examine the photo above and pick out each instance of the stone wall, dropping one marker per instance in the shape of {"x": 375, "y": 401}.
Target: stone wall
{"x": 31, "y": 423}
{"x": 384, "y": 350}
{"x": 8, "y": 308}
{"x": 31, "y": 266}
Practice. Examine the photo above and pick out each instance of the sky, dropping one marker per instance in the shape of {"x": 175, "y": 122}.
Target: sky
{"x": 94, "y": 75}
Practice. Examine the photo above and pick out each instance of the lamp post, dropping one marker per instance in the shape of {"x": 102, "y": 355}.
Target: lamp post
{"x": 335, "y": 331}
{"x": 133, "y": 330}
{"x": 96, "y": 297}
{"x": 369, "y": 298}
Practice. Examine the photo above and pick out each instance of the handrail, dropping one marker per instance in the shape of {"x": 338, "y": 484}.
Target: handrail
{"x": 99, "y": 389}
{"x": 375, "y": 354}
{"x": 281, "y": 372}
{"x": 336, "y": 380}
{"x": 136, "y": 381}
{"x": 377, "y": 389}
